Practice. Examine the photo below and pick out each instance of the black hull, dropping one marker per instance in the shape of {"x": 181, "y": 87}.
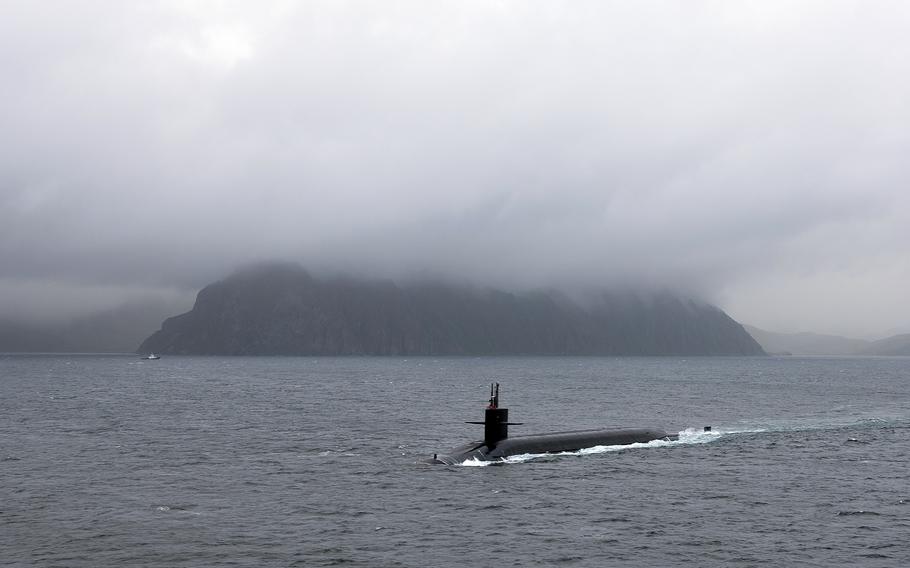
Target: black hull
{"x": 549, "y": 443}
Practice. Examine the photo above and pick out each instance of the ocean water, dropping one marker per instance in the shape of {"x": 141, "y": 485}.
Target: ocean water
{"x": 207, "y": 461}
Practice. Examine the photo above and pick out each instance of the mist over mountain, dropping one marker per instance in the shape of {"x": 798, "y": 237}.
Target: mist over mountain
{"x": 894, "y": 346}
{"x": 282, "y": 309}
{"x": 18, "y": 337}
{"x": 805, "y": 343}
{"x": 750, "y": 154}
{"x": 819, "y": 344}
{"x": 116, "y": 330}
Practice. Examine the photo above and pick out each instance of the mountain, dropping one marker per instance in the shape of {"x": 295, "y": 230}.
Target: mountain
{"x": 897, "y": 345}
{"x": 283, "y": 310}
{"x": 806, "y": 343}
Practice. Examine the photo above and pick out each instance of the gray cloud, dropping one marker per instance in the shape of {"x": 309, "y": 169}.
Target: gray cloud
{"x": 751, "y": 153}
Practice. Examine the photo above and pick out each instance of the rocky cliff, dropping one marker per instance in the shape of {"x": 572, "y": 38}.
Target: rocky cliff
{"x": 283, "y": 310}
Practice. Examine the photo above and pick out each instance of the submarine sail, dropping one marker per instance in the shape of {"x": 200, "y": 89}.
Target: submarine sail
{"x": 497, "y": 444}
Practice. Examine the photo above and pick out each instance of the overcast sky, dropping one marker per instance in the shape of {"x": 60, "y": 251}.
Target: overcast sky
{"x": 754, "y": 153}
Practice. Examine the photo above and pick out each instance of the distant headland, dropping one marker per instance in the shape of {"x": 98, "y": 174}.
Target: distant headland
{"x": 284, "y": 310}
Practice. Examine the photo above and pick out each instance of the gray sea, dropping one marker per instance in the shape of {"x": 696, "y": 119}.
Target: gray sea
{"x": 273, "y": 461}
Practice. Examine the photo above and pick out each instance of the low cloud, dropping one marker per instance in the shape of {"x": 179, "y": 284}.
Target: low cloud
{"x": 751, "y": 154}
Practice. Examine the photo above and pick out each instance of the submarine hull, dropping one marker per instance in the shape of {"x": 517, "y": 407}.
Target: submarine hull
{"x": 549, "y": 443}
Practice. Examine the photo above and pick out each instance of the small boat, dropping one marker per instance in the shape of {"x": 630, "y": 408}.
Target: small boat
{"x": 151, "y": 357}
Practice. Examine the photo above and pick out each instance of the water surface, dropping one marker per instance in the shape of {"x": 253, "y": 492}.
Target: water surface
{"x": 205, "y": 461}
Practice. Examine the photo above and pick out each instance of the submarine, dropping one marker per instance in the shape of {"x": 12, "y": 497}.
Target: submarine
{"x": 497, "y": 445}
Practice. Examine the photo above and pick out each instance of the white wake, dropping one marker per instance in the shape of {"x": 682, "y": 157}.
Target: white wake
{"x": 686, "y": 437}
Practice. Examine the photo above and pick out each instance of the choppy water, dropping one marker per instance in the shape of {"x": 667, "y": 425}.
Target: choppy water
{"x": 186, "y": 461}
